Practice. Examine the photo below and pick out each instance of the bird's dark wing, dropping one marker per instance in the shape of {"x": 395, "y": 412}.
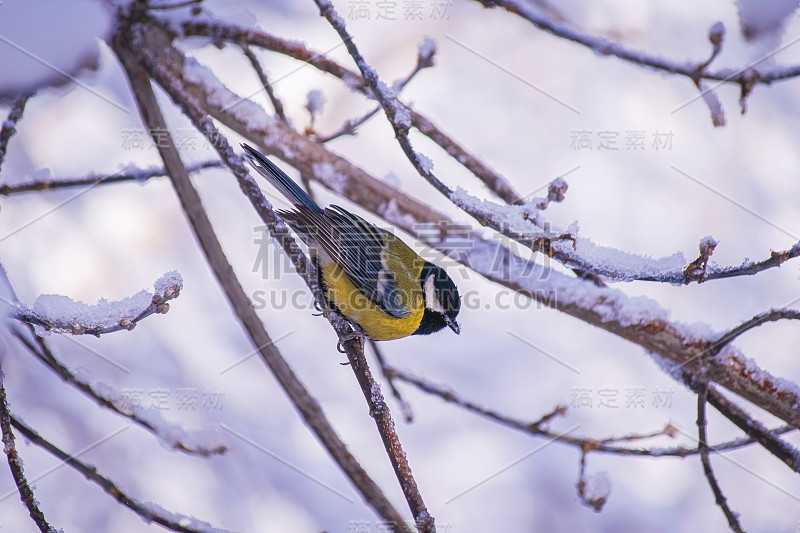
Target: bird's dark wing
{"x": 357, "y": 247}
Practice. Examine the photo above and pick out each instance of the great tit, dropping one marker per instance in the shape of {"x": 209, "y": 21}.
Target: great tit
{"x": 366, "y": 273}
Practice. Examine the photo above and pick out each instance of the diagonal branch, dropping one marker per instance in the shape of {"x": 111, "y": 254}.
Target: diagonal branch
{"x": 9, "y": 126}
{"x": 309, "y": 409}
{"x": 277, "y": 105}
{"x": 719, "y": 497}
{"x": 15, "y": 464}
{"x": 147, "y": 511}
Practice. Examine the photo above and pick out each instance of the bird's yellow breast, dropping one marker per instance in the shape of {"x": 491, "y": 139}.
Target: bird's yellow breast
{"x": 406, "y": 266}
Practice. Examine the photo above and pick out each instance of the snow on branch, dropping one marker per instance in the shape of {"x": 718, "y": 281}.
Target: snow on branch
{"x": 62, "y": 314}
{"x": 746, "y": 77}
{"x": 639, "y": 320}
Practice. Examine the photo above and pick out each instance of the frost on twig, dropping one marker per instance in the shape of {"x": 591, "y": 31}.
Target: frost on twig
{"x": 61, "y": 314}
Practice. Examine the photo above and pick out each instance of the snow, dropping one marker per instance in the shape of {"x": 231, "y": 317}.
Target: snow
{"x": 187, "y": 522}
{"x": 391, "y": 212}
{"x": 428, "y": 46}
{"x": 597, "y": 489}
{"x": 716, "y": 34}
{"x": 714, "y": 105}
{"x": 426, "y": 52}
{"x": 763, "y": 19}
{"x": 326, "y": 173}
{"x": 617, "y": 265}
{"x": 402, "y": 117}
{"x": 425, "y": 163}
{"x": 315, "y": 100}
{"x": 244, "y": 110}
{"x": 63, "y": 314}
{"x": 391, "y": 179}
{"x": 171, "y": 282}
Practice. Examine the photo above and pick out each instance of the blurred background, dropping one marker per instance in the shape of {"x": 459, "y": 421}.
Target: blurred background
{"x": 534, "y": 107}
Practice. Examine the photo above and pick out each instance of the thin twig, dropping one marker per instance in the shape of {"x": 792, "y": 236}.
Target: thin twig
{"x": 350, "y": 126}
{"x": 147, "y": 511}
{"x": 767, "y": 438}
{"x": 15, "y": 464}
{"x": 773, "y": 315}
{"x": 606, "y": 47}
{"x": 374, "y": 195}
{"x": 494, "y": 181}
{"x": 126, "y": 46}
{"x": 138, "y": 176}
{"x": 719, "y": 497}
{"x": 9, "y": 126}
{"x": 277, "y": 105}
{"x": 386, "y": 370}
{"x": 595, "y": 501}
{"x": 594, "y": 444}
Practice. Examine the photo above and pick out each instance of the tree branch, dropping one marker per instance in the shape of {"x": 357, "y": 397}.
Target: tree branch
{"x": 719, "y": 497}
{"x": 309, "y": 409}
{"x": 15, "y": 464}
{"x": 9, "y": 126}
{"x": 277, "y": 105}
{"x": 148, "y": 512}
{"x": 138, "y": 176}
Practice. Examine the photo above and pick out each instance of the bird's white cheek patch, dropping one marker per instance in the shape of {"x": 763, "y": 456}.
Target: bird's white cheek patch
{"x": 431, "y": 300}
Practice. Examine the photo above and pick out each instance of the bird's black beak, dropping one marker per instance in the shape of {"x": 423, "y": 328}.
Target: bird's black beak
{"x": 453, "y": 324}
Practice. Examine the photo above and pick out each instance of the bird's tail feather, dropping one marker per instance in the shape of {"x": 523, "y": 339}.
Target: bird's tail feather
{"x": 278, "y": 178}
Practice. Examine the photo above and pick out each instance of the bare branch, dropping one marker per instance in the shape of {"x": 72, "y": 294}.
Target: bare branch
{"x": 767, "y": 438}
{"x": 9, "y": 126}
{"x": 138, "y": 176}
{"x": 591, "y": 444}
{"x": 15, "y": 464}
{"x": 773, "y": 315}
{"x": 277, "y": 105}
{"x": 719, "y": 497}
{"x": 147, "y": 511}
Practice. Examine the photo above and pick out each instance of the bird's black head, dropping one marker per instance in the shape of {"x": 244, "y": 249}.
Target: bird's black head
{"x": 442, "y": 302}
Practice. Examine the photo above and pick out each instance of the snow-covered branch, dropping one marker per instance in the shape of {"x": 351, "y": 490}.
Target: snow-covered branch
{"x": 61, "y": 314}
{"x": 640, "y": 320}
{"x": 746, "y": 77}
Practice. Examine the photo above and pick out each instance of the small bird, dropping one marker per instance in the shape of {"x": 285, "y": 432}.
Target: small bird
{"x": 366, "y": 273}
